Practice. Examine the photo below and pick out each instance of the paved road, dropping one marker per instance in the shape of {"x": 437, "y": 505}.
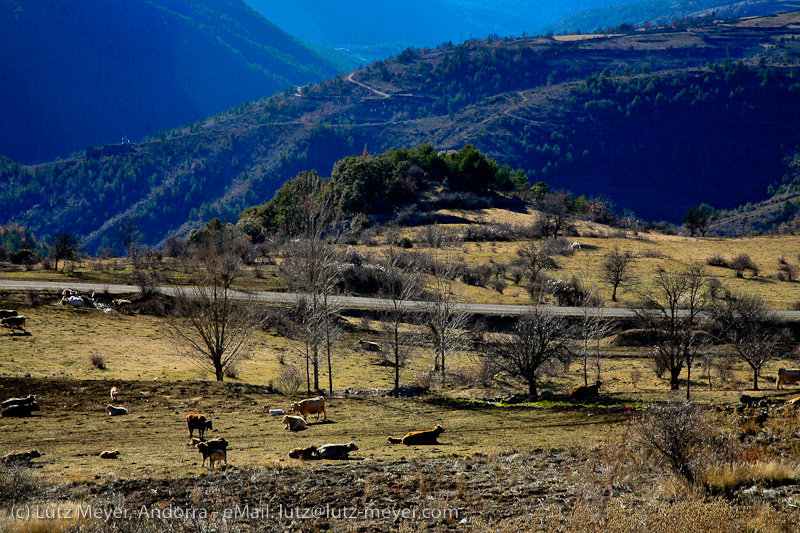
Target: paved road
{"x": 348, "y": 302}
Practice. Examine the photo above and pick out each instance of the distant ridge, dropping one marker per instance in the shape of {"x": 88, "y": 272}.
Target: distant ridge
{"x": 83, "y": 73}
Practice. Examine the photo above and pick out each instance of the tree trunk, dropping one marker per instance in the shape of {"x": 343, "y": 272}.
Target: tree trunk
{"x": 532, "y": 388}
{"x": 614, "y": 294}
{"x": 220, "y": 374}
{"x": 674, "y": 373}
{"x": 755, "y": 379}
{"x": 688, "y": 381}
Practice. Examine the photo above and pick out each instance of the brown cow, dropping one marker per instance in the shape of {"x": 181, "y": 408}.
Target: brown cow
{"x": 583, "y": 392}
{"x": 294, "y": 423}
{"x": 786, "y": 375}
{"x": 414, "y": 438}
{"x": 306, "y": 454}
{"x": 198, "y": 422}
{"x": 310, "y": 406}
{"x": 13, "y": 322}
{"x": 214, "y": 450}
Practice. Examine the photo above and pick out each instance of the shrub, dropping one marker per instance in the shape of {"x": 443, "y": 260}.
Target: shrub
{"x": 743, "y": 262}
{"x": 290, "y": 380}
{"x": 18, "y": 483}
{"x": 232, "y": 371}
{"x": 97, "y": 361}
{"x": 25, "y": 257}
{"x": 788, "y": 271}
{"x": 718, "y": 261}
{"x": 424, "y": 379}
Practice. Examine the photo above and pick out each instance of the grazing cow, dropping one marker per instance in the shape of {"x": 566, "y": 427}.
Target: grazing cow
{"x": 214, "y": 450}
{"x": 575, "y": 246}
{"x": 336, "y": 451}
{"x": 305, "y": 454}
{"x": 583, "y": 392}
{"x": 293, "y": 423}
{"x": 20, "y": 410}
{"x": 414, "y": 438}
{"x": 5, "y": 313}
{"x": 116, "y": 411}
{"x": 198, "y": 422}
{"x": 30, "y": 398}
{"x": 114, "y": 393}
{"x": 13, "y": 322}
{"x": 369, "y": 346}
{"x": 20, "y": 458}
{"x": 310, "y": 406}
{"x": 109, "y": 454}
{"x": 786, "y": 375}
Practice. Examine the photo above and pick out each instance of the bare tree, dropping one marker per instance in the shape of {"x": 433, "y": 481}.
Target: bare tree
{"x": 672, "y": 313}
{"x": 400, "y": 284}
{"x": 554, "y": 217}
{"x": 447, "y": 319}
{"x": 538, "y": 341}
{"x": 751, "y": 328}
{"x": 615, "y": 269}
{"x": 678, "y": 431}
{"x": 534, "y": 258}
{"x": 592, "y": 328}
{"x": 211, "y": 326}
{"x": 130, "y": 236}
{"x": 312, "y": 265}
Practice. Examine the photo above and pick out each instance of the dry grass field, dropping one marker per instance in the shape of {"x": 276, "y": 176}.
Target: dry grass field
{"x": 553, "y": 464}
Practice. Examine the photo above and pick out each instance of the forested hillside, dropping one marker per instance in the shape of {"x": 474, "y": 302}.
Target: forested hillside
{"x": 74, "y": 74}
{"x": 656, "y": 121}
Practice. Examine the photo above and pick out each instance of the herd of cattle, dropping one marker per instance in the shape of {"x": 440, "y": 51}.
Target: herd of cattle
{"x": 215, "y": 450}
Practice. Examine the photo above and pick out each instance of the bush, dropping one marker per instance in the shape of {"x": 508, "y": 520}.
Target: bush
{"x": 97, "y": 361}
{"x": 678, "y": 431}
{"x": 718, "y": 261}
{"x": 290, "y": 380}
{"x": 743, "y": 262}
{"x": 18, "y": 483}
{"x": 24, "y": 257}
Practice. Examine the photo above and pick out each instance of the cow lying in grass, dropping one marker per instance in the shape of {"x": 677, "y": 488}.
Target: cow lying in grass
{"x": 305, "y": 454}
{"x": 414, "y": 438}
{"x": 20, "y": 407}
{"x": 336, "y": 451}
{"x": 20, "y": 458}
{"x": 116, "y": 411}
{"x": 583, "y": 392}
{"x": 293, "y": 423}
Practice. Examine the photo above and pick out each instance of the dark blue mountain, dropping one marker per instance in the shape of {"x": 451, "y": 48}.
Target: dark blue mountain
{"x": 83, "y": 73}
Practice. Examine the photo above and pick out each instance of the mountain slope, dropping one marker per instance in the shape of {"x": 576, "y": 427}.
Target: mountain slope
{"x": 656, "y": 120}
{"x": 80, "y": 73}
{"x": 378, "y": 29}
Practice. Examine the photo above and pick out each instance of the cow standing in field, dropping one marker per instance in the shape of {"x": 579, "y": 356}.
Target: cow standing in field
{"x": 786, "y": 375}
{"x": 13, "y": 322}
{"x": 5, "y": 313}
{"x": 198, "y": 422}
{"x": 310, "y": 406}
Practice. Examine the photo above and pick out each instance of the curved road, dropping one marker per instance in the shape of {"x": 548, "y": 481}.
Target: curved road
{"x": 349, "y": 302}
